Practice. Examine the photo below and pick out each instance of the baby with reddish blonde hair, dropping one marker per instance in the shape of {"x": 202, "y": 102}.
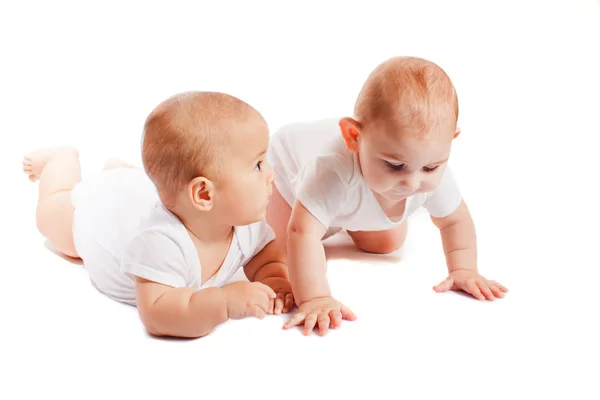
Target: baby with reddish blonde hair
{"x": 368, "y": 174}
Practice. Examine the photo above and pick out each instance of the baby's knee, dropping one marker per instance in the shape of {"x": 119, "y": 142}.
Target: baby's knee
{"x": 381, "y": 242}
{"x": 54, "y": 221}
{"x": 382, "y": 246}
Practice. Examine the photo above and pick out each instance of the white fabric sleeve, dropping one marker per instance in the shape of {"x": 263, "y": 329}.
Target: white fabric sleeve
{"x": 445, "y": 198}
{"x": 265, "y": 236}
{"x": 156, "y": 257}
{"x": 321, "y": 189}
{"x": 259, "y": 235}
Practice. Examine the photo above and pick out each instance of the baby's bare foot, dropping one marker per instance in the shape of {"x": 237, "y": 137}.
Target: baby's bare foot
{"x": 34, "y": 163}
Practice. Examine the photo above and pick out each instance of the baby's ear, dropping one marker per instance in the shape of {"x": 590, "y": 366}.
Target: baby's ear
{"x": 201, "y": 193}
{"x": 458, "y": 130}
{"x": 350, "y": 129}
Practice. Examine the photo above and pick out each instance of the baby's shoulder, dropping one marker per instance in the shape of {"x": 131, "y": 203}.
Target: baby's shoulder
{"x": 253, "y": 237}
{"x": 160, "y": 227}
{"x": 338, "y": 165}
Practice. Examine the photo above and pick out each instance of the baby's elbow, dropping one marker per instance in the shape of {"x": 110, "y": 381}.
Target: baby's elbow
{"x": 151, "y": 322}
{"x": 294, "y": 229}
{"x": 152, "y": 331}
{"x": 153, "y": 318}
{"x": 152, "y": 328}
{"x": 157, "y": 326}
{"x": 301, "y": 230}
{"x": 304, "y": 223}
{"x": 306, "y": 230}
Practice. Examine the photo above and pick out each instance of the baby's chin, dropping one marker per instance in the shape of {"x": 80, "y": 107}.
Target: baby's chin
{"x": 251, "y": 220}
{"x": 396, "y": 198}
{"x": 393, "y": 196}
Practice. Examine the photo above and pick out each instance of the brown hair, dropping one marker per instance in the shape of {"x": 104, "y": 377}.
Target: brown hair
{"x": 184, "y": 137}
{"x": 410, "y": 92}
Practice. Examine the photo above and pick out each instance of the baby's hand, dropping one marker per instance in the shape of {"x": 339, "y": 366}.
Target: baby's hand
{"x": 473, "y": 283}
{"x": 325, "y": 311}
{"x": 248, "y": 299}
{"x": 284, "y": 300}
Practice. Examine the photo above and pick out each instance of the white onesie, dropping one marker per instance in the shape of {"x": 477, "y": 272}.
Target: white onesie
{"x": 313, "y": 165}
{"x": 122, "y": 230}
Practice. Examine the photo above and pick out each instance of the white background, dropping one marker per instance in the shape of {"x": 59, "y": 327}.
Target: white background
{"x": 528, "y": 78}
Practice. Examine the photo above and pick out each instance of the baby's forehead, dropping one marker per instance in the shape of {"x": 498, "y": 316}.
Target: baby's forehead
{"x": 247, "y": 137}
{"x": 405, "y": 144}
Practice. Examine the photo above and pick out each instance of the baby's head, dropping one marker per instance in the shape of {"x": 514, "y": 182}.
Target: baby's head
{"x": 404, "y": 122}
{"x": 205, "y": 152}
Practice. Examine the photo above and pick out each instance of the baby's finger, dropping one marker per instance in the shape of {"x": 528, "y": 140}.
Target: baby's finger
{"x": 289, "y": 302}
{"x": 444, "y": 286}
{"x": 271, "y": 309}
{"x": 497, "y": 292}
{"x": 309, "y": 323}
{"x": 297, "y": 319}
{"x": 472, "y": 288}
{"x": 494, "y": 283}
{"x": 336, "y": 318}
{"x": 278, "y": 303}
{"x": 259, "y": 312}
{"x": 347, "y": 313}
{"x": 483, "y": 287}
{"x": 324, "y": 322}
{"x": 269, "y": 291}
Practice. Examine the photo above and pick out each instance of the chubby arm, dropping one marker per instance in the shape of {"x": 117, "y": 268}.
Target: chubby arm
{"x": 459, "y": 242}
{"x": 308, "y": 275}
{"x": 459, "y": 239}
{"x": 180, "y": 312}
{"x": 168, "y": 308}
{"x": 306, "y": 256}
{"x": 268, "y": 263}
{"x": 268, "y": 267}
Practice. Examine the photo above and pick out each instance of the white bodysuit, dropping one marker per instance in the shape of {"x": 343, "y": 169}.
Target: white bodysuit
{"x": 121, "y": 230}
{"x": 313, "y": 165}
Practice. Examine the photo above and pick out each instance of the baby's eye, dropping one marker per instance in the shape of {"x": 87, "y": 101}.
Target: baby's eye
{"x": 395, "y": 167}
{"x": 258, "y": 166}
{"x": 429, "y": 169}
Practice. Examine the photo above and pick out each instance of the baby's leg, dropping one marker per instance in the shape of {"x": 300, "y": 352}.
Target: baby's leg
{"x": 58, "y": 171}
{"x": 278, "y": 216}
{"x": 380, "y": 242}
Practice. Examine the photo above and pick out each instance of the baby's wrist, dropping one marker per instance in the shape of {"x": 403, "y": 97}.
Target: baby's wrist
{"x": 461, "y": 268}
{"x": 227, "y": 299}
{"x": 312, "y": 298}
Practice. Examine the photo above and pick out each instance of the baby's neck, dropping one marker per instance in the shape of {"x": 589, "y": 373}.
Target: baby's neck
{"x": 205, "y": 227}
{"x": 392, "y": 208}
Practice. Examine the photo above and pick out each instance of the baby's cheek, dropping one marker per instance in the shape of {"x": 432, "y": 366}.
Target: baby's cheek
{"x": 430, "y": 184}
{"x": 383, "y": 182}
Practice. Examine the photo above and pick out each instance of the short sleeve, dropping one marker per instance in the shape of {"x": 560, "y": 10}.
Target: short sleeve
{"x": 253, "y": 238}
{"x": 445, "y": 198}
{"x": 155, "y": 256}
{"x": 321, "y": 189}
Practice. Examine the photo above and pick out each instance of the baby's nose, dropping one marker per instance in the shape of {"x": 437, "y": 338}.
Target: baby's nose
{"x": 410, "y": 183}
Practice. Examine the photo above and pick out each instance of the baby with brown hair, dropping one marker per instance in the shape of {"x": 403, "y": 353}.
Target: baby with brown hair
{"x": 168, "y": 239}
{"x": 368, "y": 174}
